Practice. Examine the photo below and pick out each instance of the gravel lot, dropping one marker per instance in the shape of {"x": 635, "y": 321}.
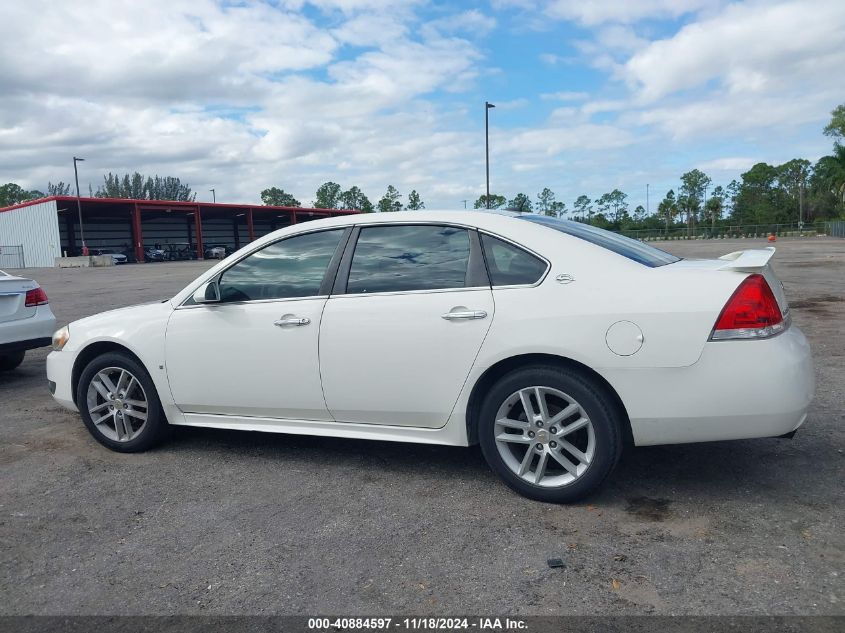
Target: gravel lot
{"x": 245, "y": 523}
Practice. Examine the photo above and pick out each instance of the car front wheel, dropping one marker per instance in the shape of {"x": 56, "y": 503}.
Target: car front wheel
{"x": 119, "y": 404}
{"x": 551, "y": 433}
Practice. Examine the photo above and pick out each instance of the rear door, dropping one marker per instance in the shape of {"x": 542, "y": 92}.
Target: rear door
{"x": 399, "y": 337}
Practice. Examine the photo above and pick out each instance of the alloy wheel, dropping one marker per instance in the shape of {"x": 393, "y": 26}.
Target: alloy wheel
{"x": 117, "y": 404}
{"x": 544, "y": 436}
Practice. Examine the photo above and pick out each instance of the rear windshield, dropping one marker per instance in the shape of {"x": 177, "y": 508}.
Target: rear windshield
{"x": 625, "y": 246}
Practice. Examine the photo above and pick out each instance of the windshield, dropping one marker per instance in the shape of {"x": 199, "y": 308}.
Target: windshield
{"x": 625, "y": 246}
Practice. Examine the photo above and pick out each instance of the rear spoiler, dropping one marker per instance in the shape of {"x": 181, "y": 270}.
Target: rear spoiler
{"x": 747, "y": 261}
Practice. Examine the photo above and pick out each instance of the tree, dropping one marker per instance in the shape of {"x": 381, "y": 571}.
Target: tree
{"x": 668, "y": 208}
{"x": 496, "y": 201}
{"x": 59, "y": 189}
{"x": 732, "y": 191}
{"x": 715, "y": 205}
{"x": 558, "y": 209}
{"x": 151, "y": 188}
{"x": 603, "y": 204}
{"x": 414, "y": 201}
{"x": 354, "y": 198}
{"x": 520, "y": 203}
{"x": 275, "y": 197}
{"x": 639, "y": 213}
{"x": 836, "y": 127}
{"x": 11, "y": 193}
{"x": 793, "y": 176}
{"x": 546, "y": 201}
{"x": 829, "y": 177}
{"x": 328, "y": 196}
{"x": 618, "y": 201}
{"x": 583, "y": 207}
{"x": 390, "y": 200}
{"x": 693, "y": 184}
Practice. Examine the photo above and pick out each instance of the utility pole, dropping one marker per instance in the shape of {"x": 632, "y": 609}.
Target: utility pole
{"x": 647, "y": 209}
{"x": 465, "y": 203}
{"x": 487, "y": 106}
{"x": 79, "y": 205}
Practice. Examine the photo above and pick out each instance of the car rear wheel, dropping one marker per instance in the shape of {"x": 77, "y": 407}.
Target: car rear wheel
{"x": 8, "y": 362}
{"x": 119, "y": 404}
{"x": 550, "y": 433}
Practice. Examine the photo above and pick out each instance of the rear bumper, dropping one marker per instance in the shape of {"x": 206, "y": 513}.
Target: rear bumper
{"x": 29, "y": 333}
{"x": 18, "y": 346}
{"x": 736, "y": 390}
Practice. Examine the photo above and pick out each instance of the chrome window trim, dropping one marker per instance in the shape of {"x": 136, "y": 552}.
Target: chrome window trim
{"x": 248, "y": 303}
{"x": 408, "y": 292}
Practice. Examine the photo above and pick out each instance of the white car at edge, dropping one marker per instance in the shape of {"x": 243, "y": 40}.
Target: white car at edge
{"x": 548, "y": 342}
{"x": 26, "y": 321}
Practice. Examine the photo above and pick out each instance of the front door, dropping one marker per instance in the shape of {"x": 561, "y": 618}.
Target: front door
{"x": 398, "y": 345}
{"x": 255, "y": 352}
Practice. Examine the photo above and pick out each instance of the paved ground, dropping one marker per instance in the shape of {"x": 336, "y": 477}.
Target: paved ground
{"x": 226, "y": 522}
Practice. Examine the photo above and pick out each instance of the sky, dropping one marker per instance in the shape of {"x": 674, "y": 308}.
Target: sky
{"x": 243, "y": 95}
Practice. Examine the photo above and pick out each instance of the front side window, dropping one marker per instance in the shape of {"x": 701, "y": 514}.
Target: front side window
{"x": 413, "y": 257}
{"x": 509, "y": 265}
{"x": 290, "y": 268}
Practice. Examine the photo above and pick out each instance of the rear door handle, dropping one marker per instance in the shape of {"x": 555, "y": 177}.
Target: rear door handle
{"x": 464, "y": 314}
{"x": 284, "y": 321}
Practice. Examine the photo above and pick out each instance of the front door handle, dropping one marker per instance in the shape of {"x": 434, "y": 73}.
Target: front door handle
{"x": 464, "y": 314}
{"x": 292, "y": 320}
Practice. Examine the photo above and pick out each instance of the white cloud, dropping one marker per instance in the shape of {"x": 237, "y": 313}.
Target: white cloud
{"x": 564, "y": 96}
{"x": 217, "y": 96}
{"x": 746, "y": 48}
{"x": 592, "y": 12}
{"x": 472, "y": 22}
{"x": 728, "y": 163}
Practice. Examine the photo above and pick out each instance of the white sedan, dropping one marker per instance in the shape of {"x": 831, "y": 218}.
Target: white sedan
{"x": 548, "y": 342}
{"x": 26, "y": 321}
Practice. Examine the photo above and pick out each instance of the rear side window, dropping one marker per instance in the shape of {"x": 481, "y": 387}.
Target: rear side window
{"x": 290, "y": 268}
{"x": 509, "y": 265}
{"x": 625, "y": 246}
{"x": 403, "y": 258}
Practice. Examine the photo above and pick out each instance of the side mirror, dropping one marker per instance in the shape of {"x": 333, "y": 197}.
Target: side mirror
{"x": 209, "y": 292}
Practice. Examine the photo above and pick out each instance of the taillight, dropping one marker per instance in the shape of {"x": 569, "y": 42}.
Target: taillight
{"x": 36, "y": 297}
{"x": 752, "y": 312}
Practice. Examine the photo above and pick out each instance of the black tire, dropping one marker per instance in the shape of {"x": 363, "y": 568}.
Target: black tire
{"x": 155, "y": 428}
{"x": 11, "y": 361}
{"x": 599, "y": 407}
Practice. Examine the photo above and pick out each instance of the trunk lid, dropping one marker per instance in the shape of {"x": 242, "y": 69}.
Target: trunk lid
{"x": 13, "y": 298}
{"x": 746, "y": 262}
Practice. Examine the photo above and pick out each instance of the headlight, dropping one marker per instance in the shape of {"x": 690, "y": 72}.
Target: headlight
{"x": 60, "y": 338}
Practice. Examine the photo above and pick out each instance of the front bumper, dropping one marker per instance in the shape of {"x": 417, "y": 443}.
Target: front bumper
{"x": 736, "y": 390}
{"x": 59, "y": 377}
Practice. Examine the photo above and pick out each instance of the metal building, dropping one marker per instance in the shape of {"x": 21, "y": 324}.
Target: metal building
{"x": 34, "y": 233}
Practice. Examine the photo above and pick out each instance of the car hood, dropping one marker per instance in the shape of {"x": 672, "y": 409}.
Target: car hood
{"x": 119, "y": 317}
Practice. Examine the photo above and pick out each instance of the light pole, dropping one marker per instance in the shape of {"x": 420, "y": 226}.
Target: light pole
{"x": 487, "y": 106}
{"x": 79, "y": 204}
{"x": 647, "y": 209}
{"x": 213, "y": 196}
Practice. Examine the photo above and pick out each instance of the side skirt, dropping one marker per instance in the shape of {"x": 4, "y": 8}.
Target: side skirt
{"x": 323, "y": 429}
